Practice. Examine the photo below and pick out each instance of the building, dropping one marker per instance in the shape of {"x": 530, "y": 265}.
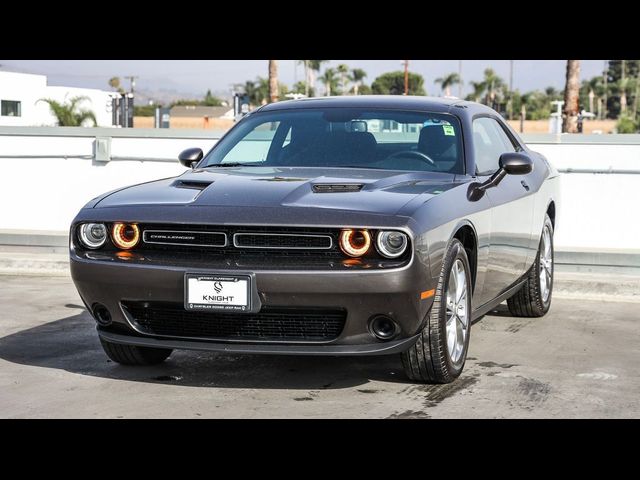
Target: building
{"x": 197, "y": 116}
{"x": 20, "y": 92}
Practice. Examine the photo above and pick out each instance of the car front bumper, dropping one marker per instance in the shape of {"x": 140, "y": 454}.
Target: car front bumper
{"x": 362, "y": 293}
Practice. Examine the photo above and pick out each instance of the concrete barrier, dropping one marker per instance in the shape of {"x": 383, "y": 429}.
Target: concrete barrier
{"x": 49, "y": 173}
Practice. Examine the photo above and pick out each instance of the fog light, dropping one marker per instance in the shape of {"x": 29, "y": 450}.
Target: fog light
{"x": 92, "y": 235}
{"x": 125, "y": 235}
{"x": 102, "y": 315}
{"x": 383, "y": 327}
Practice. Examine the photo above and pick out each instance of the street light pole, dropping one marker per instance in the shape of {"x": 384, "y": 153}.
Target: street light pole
{"x": 459, "y": 78}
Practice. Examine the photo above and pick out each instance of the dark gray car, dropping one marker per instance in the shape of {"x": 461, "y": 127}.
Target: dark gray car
{"x": 363, "y": 225}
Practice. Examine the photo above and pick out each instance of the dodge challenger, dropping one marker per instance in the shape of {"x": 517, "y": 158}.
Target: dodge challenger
{"x": 366, "y": 225}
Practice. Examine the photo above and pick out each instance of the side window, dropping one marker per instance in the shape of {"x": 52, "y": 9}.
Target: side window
{"x": 489, "y": 142}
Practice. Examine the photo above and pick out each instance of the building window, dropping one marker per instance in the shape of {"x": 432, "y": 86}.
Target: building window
{"x": 10, "y": 108}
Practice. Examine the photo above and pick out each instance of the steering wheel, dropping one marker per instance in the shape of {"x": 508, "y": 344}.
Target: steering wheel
{"x": 415, "y": 153}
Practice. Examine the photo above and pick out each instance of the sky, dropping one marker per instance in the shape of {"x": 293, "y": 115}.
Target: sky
{"x": 195, "y": 77}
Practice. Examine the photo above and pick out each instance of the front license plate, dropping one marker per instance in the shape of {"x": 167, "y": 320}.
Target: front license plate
{"x": 217, "y": 292}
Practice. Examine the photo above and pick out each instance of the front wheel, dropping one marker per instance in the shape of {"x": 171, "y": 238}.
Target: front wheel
{"x": 534, "y": 297}
{"x": 441, "y": 350}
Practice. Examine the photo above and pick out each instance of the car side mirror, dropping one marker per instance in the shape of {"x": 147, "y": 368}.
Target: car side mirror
{"x": 515, "y": 163}
{"x": 190, "y": 157}
{"x": 511, "y": 163}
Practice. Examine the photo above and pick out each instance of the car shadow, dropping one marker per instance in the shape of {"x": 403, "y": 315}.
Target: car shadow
{"x": 72, "y": 344}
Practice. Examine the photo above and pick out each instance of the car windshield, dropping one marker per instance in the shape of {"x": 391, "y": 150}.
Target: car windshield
{"x": 344, "y": 137}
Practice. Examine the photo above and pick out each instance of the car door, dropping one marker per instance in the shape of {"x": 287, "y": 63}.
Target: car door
{"x": 512, "y": 205}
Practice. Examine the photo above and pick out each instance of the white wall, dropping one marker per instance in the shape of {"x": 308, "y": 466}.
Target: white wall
{"x": 597, "y": 212}
{"x": 28, "y": 89}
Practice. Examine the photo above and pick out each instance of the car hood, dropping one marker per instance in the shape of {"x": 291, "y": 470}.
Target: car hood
{"x": 376, "y": 191}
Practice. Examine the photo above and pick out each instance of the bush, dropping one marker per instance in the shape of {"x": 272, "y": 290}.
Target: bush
{"x": 627, "y": 124}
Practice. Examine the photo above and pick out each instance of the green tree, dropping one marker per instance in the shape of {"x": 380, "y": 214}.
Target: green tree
{"x": 357, "y": 76}
{"x": 492, "y": 83}
{"x": 314, "y": 67}
{"x": 211, "y": 100}
{"x": 478, "y": 91}
{"x": 144, "y": 110}
{"x": 392, "y": 83}
{"x": 621, "y": 88}
{"x": 626, "y": 124}
{"x": 330, "y": 81}
{"x": 114, "y": 82}
{"x": 447, "y": 82}
{"x": 69, "y": 113}
{"x": 343, "y": 72}
{"x": 301, "y": 87}
{"x": 364, "y": 90}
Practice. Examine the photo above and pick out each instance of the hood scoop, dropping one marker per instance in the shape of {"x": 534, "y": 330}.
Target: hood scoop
{"x": 337, "y": 187}
{"x": 192, "y": 184}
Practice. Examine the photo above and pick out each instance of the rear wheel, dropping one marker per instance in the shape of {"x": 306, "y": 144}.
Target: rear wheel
{"x": 534, "y": 297}
{"x": 134, "y": 355}
{"x": 441, "y": 350}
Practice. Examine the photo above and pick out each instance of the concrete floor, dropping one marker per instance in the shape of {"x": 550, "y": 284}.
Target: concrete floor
{"x": 580, "y": 361}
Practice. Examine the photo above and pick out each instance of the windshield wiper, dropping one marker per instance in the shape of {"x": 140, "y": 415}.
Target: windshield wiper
{"x": 233, "y": 164}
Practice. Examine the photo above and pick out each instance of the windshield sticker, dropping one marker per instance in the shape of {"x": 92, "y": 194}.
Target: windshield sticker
{"x": 448, "y": 130}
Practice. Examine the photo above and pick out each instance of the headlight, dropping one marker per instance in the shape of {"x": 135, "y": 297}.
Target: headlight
{"x": 125, "y": 235}
{"x": 355, "y": 243}
{"x": 391, "y": 244}
{"x": 93, "y": 235}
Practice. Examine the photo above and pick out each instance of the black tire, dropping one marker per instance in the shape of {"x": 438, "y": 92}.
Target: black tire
{"x": 529, "y": 300}
{"x": 134, "y": 355}
{"x": 428, "y": 360}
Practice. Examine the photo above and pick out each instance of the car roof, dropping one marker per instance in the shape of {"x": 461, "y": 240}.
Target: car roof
{"x": 433, "y": 104}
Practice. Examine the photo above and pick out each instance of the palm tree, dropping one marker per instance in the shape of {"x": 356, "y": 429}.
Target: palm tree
{"x": 357, "y": 75}
{"x": 492, "y": 83}
{"x": 305, "y": 63}
{"x": 447, "y": 82}
{"x": 273, "y": 81}
{"x": 314, "y": 70}
{"x": 68, "y": 114}
{"x": 329, "y": 80}
{"x": 343, "y": 70}
{"x": 114, "y": 82}
{"x": 478, "y": 91}
{"x": 571, "y": 97}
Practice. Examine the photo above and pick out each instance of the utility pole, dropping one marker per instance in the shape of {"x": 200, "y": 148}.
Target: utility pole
{"x": 459, "y": 78}
{"x": 406, "y": 77}
{"x": 132, "y": 81}
{"x": 510, "y": 75}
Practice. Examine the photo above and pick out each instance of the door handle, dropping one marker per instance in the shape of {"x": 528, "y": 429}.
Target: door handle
{"x": 524, "y": 184}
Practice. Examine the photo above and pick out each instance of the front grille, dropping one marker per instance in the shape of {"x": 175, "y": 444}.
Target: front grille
{"x": 232, "y": 241}
{"x": 271, "y": 323}
{"x": 185, "y": 238}
{"x": 282, "y": 241}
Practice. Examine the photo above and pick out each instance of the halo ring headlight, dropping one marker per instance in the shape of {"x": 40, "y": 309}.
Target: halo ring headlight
{"x": 92, "y": 235}
{"x": 125, "y": 235}
{"x": 391, "y": 244}
{"x": 355, "y": 243}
